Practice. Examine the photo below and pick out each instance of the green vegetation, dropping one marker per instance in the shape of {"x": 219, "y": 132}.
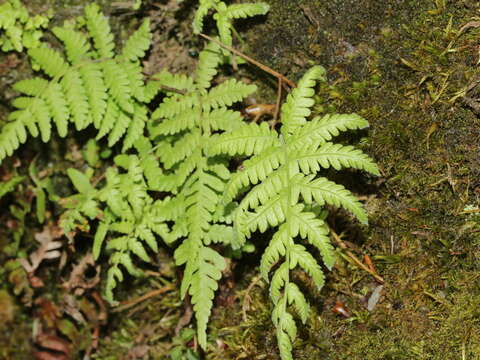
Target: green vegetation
{"x": 173, "y": 187}
{"x": 182, "y": 209}
{"x": 19, "y": 30}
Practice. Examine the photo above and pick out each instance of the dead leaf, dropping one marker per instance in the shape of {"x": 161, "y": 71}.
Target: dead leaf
{"x": 49, "y": 249}
{"x": 78, "y": 281}
{"x": 53, "y": 342}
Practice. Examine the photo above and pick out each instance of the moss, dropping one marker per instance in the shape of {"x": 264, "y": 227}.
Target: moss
{"x": 399, "y": 64}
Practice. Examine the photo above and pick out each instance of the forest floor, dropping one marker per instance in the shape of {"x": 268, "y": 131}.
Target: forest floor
{"x": 411, "y": 69}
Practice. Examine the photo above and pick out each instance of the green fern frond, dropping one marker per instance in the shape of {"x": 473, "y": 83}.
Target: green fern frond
{"x": 49, "y": 60}
{"x": 225, "y": 94}
{"x": 248, "y": 140}
{"x": 324, "y": 191}
{"x": 118, "y": 84}
{"x": 322, "y": 129}
{"x": 76, "y": 44}
{"x": 332, "y": 155}
{"x": 283, "y": 169}
{"x": 96, "y": 91}
{"x": 224, "y": 16}
{"x": 208, "y": 61}
{"x": 128, "y": 216}
{"x": 91, "y": 86}
{"x": 138, "y": 43}
{"x": 237, "y": 11}
{"x": 202, "y": 11}
{"x": 135, "y": 128}
{"x": 296, "y": 108}
{"x": 99, "y": 30}
{"x": 197, "y": 177}
{"x": 175, "y": 81}
{"x": 77, "y": 100}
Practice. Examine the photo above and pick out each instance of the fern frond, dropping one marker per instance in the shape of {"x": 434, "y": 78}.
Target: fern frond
{"x": 224, "y": 24}
{"x": 283, "y": 169}
{"x": 50, "y": 61}
{"x": 112, "y": 113}
{"x": 135, "y": 128}
{"x": 76, "y": 44}
{"x": 208, "y": 62}
{"x": 335, "y": 155}
{"x": 58, "y": 105}
{"x": 182, "y": 148}
{"x": 174, "y": 125}
{"x": 13, "y": 134}
{"x": 223, "y": 119}
{"x": 175, "y": 81}
{"x": 133, "y": 71}
{"x": 324, "y": 191}
{"x": 76, "y": 97}
{"x": 96, "y": 91}
{"x": 296, "y": 108}
{"x": 118, "y": 84}
{"x": 42, "y": 117}
{"x": 308, "y": 226}
{"x": 34, "y": 87}
{"x": 99, "y": 30}
{"x": 237, "y": 11}
{"x": 202, "y": 11}
{"x": 246, "y": 140}
{"x": 226, "y": 94}
{"x": 203, "y": 286}
{"x": 175, "y": 105}
{"x": 138, "y": 43}
{"x": 322, "y": 129}
{"x": 256, "y": 169}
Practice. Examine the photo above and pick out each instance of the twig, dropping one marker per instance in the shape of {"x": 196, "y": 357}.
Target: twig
{"x": 247, "y": 299}
{"x": 340, "y": 243}
{"x": 129, "y": 303}
{"x": 171, "y": 89}
{"x": 279, "y": 99}
{"x": 253, "y": 61}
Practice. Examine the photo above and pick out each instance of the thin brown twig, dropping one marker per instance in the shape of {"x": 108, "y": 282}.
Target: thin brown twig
{"x": 253, "y": 61}
{"x": 340, "y": 243}
{"x": 129, "y": 303}
{"x": 169, "y": 88}
{"x": 247, "y": 299}
{"x": 279, "y": 99}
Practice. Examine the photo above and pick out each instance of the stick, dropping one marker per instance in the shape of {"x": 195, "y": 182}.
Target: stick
{"x": 129, "y": 303}
{"x": 340, "y": 243}
{"x": 253, "y": 61}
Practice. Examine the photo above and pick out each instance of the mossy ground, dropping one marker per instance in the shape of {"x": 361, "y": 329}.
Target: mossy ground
{"x": 401, "y": 65}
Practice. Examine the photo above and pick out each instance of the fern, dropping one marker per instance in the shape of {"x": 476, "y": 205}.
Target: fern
{"x": 128, "y": 216}
{"x": 284, "y": 169}
{"x": 91, "y": 85}
{"x": 197, "y": 179}
{"x": 225, "y": 15}
{"x": 20, "y": 30}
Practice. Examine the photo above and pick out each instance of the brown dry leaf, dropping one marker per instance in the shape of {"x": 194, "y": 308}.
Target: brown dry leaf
{"x": 48, "y": 312}
{"x": 470, "y": 24}
{"x": 43, "y": 355}
{"x": 70, "y": 306}
{"x": 49, "y": 248}
{"x": 53, "y": 342}
{"x": 78, "y": 281}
